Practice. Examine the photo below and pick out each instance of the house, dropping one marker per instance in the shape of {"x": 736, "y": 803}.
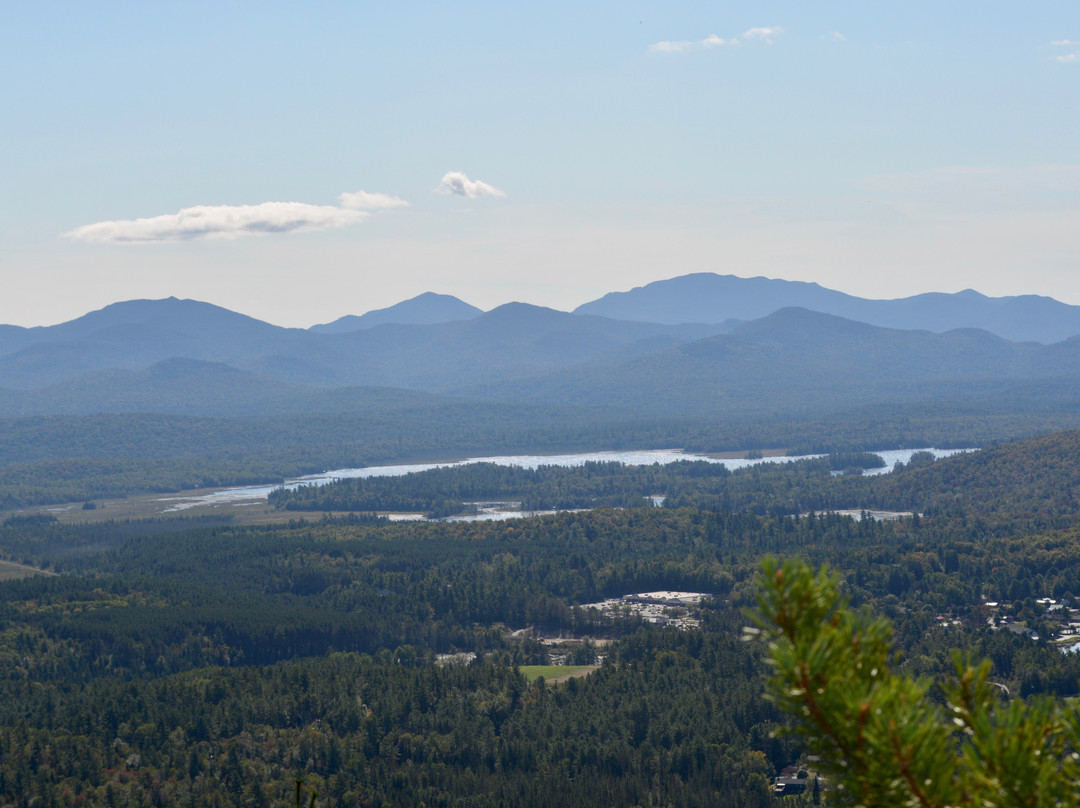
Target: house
{"x": 1024, "y": 631}
{"x": 792, "y": 780}
{"x": 789, "y": 785}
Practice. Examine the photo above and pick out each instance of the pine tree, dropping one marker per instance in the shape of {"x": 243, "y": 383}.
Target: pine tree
{"x": 883, "y": 741}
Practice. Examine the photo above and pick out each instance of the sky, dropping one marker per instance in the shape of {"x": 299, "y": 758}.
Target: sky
{"x": 302, "y": 161}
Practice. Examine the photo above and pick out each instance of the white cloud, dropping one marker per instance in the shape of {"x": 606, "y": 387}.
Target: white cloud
{"x": 220, "y": 221}
{"x": 455, "y": 182}
{"x": 1066, "y": 58}
{"x": 712, "y": 41}
{"x": 836, "y": 36}
{"x": 671, "y": 47}
{"x": 365, "y": 200}
{"x": 764, "y": 34}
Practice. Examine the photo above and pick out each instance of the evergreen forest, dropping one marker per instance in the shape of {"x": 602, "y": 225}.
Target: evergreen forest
{"x": 193, "y": 660}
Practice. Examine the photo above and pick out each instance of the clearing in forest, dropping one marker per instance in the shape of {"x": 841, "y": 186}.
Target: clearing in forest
{"x": 556, "y": 673}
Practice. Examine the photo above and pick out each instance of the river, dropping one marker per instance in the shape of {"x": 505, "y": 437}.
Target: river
{"x": 257, "y": 493}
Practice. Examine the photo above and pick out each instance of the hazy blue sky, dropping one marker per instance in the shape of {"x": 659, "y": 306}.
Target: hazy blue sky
{"x": 547, "y": 152}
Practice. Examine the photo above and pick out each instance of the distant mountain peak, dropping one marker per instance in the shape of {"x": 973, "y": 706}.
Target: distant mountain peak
{"x": 516, "y": 306}
{"x": 427, "y": 308}
{"x": 705, "y": 297}
{"x": 159, "y": 312}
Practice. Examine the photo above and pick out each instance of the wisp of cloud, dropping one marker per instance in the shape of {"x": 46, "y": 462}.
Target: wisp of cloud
{"x": 220, "y": 221}
{"x": 456, "y": 182}
{"x": 367, "y": 200}
{"x": 763, "y": 33}
{"x": 713, "y": 41}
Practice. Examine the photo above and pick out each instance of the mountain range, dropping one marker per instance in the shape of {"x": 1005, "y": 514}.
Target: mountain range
{"x": 708, "y": 298}
{"x": 698, "y": 344}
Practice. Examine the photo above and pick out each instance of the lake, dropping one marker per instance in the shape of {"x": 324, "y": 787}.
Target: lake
{"x": 256, "y": 493}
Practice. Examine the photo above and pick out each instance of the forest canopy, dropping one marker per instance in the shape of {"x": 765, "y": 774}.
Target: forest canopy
{"x": 193, "y": 661}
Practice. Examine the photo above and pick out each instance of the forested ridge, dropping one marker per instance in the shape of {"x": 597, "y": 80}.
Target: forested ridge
{"x": 194, "y": 662}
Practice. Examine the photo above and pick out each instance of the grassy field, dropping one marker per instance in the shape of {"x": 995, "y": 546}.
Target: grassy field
{"x": 556, "y": 673}
{"x": 10, "y": 571}
{"x": 154, "y": 506}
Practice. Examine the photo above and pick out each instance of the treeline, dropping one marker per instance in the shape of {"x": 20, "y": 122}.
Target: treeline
{"x": 672, "y": 718}
{"x": 75, "y": 458}
{"x": 445, "y": 490}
